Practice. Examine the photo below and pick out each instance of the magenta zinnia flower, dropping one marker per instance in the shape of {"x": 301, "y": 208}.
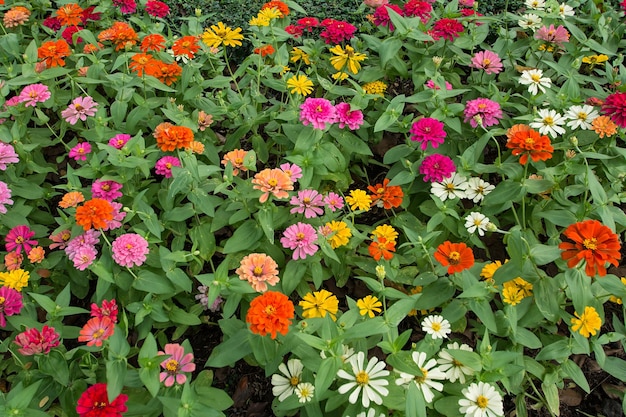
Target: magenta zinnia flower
{"x": 482, "y": 111}
{"x": 488, "y": 61}
{"x": 80, "y": 151}
{"x": 175, "y": 365}
{"x": 126, "y": 6}
{"x": 352, "y": 118}
{"x": 431, "y": 84}
{"x": 428, "y": 131}
{"x": 318, "y": 112}
{"x": 80, "y": 108}
{"x": 130, "y": 249}
{"x": 19, "y": 238}
{"x": 33, "y": 341}
{"x": 615, "y": 107}
{"x": 7, "y": 156}
{"x": 33, "y": 94}
{"x": 436, "y": 168}
{"x": 94, "y": 402}
{"x": 157, "y": 8}
{"x": 164, "y": 166}
{"x": 293, "y": 170}
{"x": 106, "y": 189}
{"x": 301, "y": 238}
{"x": 551, "y": 34}
{"x": 333, "y": 201}
{"x": 335, "y": 31}
{"x": 118, "y": 141}
{"x": 446, "y": 28}
{"x": 10, "y": 303}
{"x": 308, "y": 202}
{"x": 118, "y": 216}
{"x": 5, "y": 197}
{"x": 381, "y": 15}
{"x": 108, "y": 309}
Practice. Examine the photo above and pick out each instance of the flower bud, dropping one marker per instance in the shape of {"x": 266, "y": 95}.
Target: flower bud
{"x": 380, "y": 272}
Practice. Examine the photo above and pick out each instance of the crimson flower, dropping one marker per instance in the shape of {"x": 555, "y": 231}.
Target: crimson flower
{"x": 94, "y": 402}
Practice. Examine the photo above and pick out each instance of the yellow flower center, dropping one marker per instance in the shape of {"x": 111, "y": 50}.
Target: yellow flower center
{"x": 535, "y": 77}
{"x": 454, "y": 257}
{"x": 306, "y": 200}
{"x": 171, "y": 365}
{"x": 591, "y": 244}
{"x": 486, "y": 61}
{"x": 168, "y": 165}
{"x": 482, "y": 106}
{"x": 2, "y": 300}
{"x": 319, "y": 109}
{"x": 300, "y": 236}
{"x": 436, "y": 326}
{"x": 273, "y": 182}
{"x": 258, "y": 271}
{"x": 450, "y": 187}
{"x": 482, "y": 401}
{"x": 548, "y": 121}
{"x": 19, "y": 239}
{"x": 529, "y": 141}
{"x": 294, "y": 380}
{"x": 129, "y": 246}
{"x": 421, "y": 379}
{"x": 582, "y": 115}
{"x": 362, "y": 378}
{"x": 98, "y": 333}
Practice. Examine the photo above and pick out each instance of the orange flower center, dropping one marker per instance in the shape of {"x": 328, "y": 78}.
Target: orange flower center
{"x": 106, "y": 187}
{"x": 300, "y": 236}
{"x": 529, "y": 140}
{"x": 591, "y": 244}
{"x": 454, "y": 259}
{"x": 306, "y": 200}
{"x": 294, "y": 380}
{"x": 19, "y": 240}
{"x": 100, "y": 404}
{"x": 319, "y": 109}
{"x": 172, "y": 365}
{"x": 168, "y": 165}
{"x": 78, "y": 107}
{"x": 258, "y": 271}
{"x": 486, "y": 61}
{"x": 482, "y": 106}
{"x": 239, "y": 161}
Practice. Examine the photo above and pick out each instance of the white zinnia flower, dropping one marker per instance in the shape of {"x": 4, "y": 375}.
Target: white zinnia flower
{"x": 477, "y": 189}
{"x": 581, "y": 116}
{"x": 453, "y": 368}
{"x": 304, "y": 392}
{"x": 565, "y": 10}
{"x": 436, "y": 326}
{"x": 347, "y": 352}
{"x": 364, "y": 378}
{"x": 426, "y": 381}
{"x": 549, "y": 122}
{"x": 534, "y": 79}
{"x": 370, "y": 413}
{"x": 476, "y": 222}
{"x": 530, "y": 21}
{"x": 536, "y": 4}
{"x": 284, "y": 387}
{"x": 450, "y": 188}
{"x": 481, "y": 400}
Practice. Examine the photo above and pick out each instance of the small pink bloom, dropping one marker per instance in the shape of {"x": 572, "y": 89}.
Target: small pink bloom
{"x": 333, "y": 201}
{"x": 88, "y": 239}
{"x": 301, "y": 238}
{"x": 431, "y": 84}
{"x": 118, "y": 216}
{"x": 308, "y": 202}
{"x": 80, "y": 151}
{"x": 5, "y": 197}
{"x": 83, "y": 257}
{"x": 174, "y": 366}
{"x": 466, "y": 3}
{"x": 551, "y": 34}
{"x": 436, "y": 168}
{"x": 482, "y": 111}
{"x": 130, "y": 249}
{"x": 318, "y": 112}
{"x": 118, "y": 141}
{"x": 96, "y": 331}
{"x": 488, "y": 61}
{"x": 33, "y": 341}
{"x": 106, "y": 189}
{"x": 352, "y": 118}
{"x": 375, "y": 3}
{"x": 428, "y": 131}
{"x": 52, "y": 22}
{"x": 7, "y": 155}
{"x": 293, "y": 170}
{"x": 164, "y": 166}
{"x": 157, "y": 8}
{"x": 33, "y": 94}
{"x": 381, "y": 15}
{"x": 13, "y": 101}
{"x": 19, "y": 238}
{"x": 108, "y": 309}
{"x": 10, "y": 303}
{"x": 80, "y": 108}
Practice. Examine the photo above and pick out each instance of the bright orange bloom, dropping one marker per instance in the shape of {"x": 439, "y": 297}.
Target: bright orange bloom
{"x": 91, "y": 48}
{"x": 70, "y": 14}
{"x": 94, "y": 213}
{"x": 152, "y": 42}
{"x": 593, "y": 242}
{"x": 187, "y": 45}
{"x": 525, "y": 141}
{"x": 121, "y": 34}
{"x": 166, "y": 73}
{"x": 274, "y": 181}
{"x": 282, "y": 7}
{"x": 53, "y": 52}
{"x": 604, "y": 126}
{"x": 382, "y": 248}
{"x": 264, "y": 50}
{"x": 236, "y": 158}
{"x": 270, "y": 312}
{"x": 170, "y": 137}
{"x": 16, "y": 16}
{"x": 71, "y": 199}
{"x": 386, "y": 196}
{"x": 456, "y": 256}
{"x": 139, "y": 63}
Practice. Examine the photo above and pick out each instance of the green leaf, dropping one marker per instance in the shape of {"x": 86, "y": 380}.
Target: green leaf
{"x": 230, "y": 351}
{"x": 482, "y": 309}
{"x": 115, "y": 374}
{"x": 19, "y": 397}
{"x": 389, "y": 49}
{"x": 526, "y": 338}
{"x": 180, "y": 279}
{"x": 551, "y": 394}
{"x": 326, "y": 374}
{"x": 544, "y": 254}
{"x": 45, "y": 302}
{"x": 245, "y": 237}
{"x": 292, "y": 275}
{"x": 265, "y": 216}
{"x": 55, "y": 365}
{"x": 616, "y": 367}
{"x": 152, "y": 283}
{"x": 180, "y": 316}
{"x": 415, "y": 405}
{"x": 559, "y": 351}
{"x": 573, "y": 371}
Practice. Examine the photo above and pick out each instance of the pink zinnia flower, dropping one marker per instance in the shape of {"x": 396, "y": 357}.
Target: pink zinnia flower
{"x": 318, "y": 112}
{"x": 177, "y": 363}
{"x": 126, "y": 6}
{"x": 488, "y": 61}
{"x": 19, "y": 238}
{"x": 482, "y": 111}
{"x": 80, "y": 108}
{"x": 157, "y": 8}
{"x": 448, "y": 29}
{"x": 615, "y": 107}
{"x": 259, "y": 270}
{"x": 554, "y": 35}
{"x": 301, "y": 238}
{"x": 94, "y": 402}
{"x": 7, "y": 156}
{"x": 431, "y": 84}
{"x": 428, "y": 131}
{"x": 88, "y": 239}
{"x": 106, "y": 189}
{"x": 352, "y": 118}
{"x": 375, "y": 3}
{"x": 466, "y": 3}
{"x": 33, "y": 94}
{"x": 272, "y": 181}
{"x": 417, "y": 8}
{"x": 5, "y": 197}
{"x": 80, "y": 151}
{"x": 308, "y": 202}
{"x": 436, "y": 168}
{"x": 118, "y": 141}
{"x": 83, "y": 257}
{"x": 293, "y": 170}
{"x": 33, "y": 341}
{"x": 68, "y": 35}
{"x": 10, "y": 303}
{"x": 333, "y": 201}
{"x": 108, "y": 309}
{"x": 130, "y": 249}
{"x": 164, "y": 166}
{"x": 118, "y": 216}
{"x": 381, "y": 15}
{"x": 13, "y": 101}
{"x": 60, "y": 239}
{"x": 336, "y": 31}
{"x": 96, "y": 331}
{"x": 308, "y": 23}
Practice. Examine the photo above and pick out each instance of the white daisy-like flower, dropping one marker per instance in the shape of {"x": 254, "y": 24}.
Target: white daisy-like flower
{"x": 450, "y": 188}
{"x": 436, "y": 326}
{"x": 476, "y": 222}
{"x": 565, "y": 11}
{"x": 535, "y": 81}
{"x": 581, "y": 116}
{"x": 184, "y": 58}
{"x": 481, "y": 400}
{"x": 549, "y": 122}
{"x": 284, "y": 386}
{"x": 536, "y": 4}
{"x": 304, "y": 392}
{"x": 427, "y": 380}
{"x": 370, "y": 413}
{"x": 530, "y": 21}
{"x": 477, "y": 189}
{"x": 368, "y": 378}
{"x": 454, "y": 369}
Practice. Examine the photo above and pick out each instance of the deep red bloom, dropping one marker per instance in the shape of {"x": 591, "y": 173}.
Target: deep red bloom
{"x": 94, "y": 402}
{"x": 336, "y": 31}
{"x": 418, "y": 8}
{"x": 448, "y": 29}
{"x": 108, "y": 309}
{"x": 157, "y": 8}
{"x": 294, "y": 30}
{"x": 88, "y": 14}
{"x": 615, "y": 107}
{"x": 68, "y": 32}
{"x": 52, "y": 22}
{"x": 308, "y": 23}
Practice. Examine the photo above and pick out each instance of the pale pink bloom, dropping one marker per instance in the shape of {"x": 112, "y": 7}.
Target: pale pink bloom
{"x": 118, "y": 141}
{"x": 437, "y": 167}
{"x": 431, "y": 84}
{"x": 375, "y": 3}
{"x": 164, "y": 165}
{"x": 130, "y": 249}
{"x": 33, "y": 341}
{"x": 33, "y": 94}
{"x": 308, "y": 202}
{"x": 7, "y": 156}
{"x": 466, "y": 3}
{"x": 10, "y": 303}
{"x": 80, "y": 151}
{"x": 106, "y": 189}
{"x": 300, "y": 237}
{"x": 318, "y": 112}
{"x": 88, "y": 239}
{"x": 259, "y": 270}
{"x": 551, "y": 34}
{"x": 108, "y": 309}
{"x": 293, "y": 170}
{"x": 274, "y": 181}
{"x": 5, "y": 197}
{"x": 352, "y": 118}
{"x": 83, "y": 257}
{"x": 80, "y": 108}
{"x": 488, "y": 61}
{"x": 428, "y": 131}
{"x": 174, "y": 366}
{"x": 118, "y": 216}
{"x": 13, "y": 101}
{"x": 482, "y": 111}
{"x": 333, "y": 201}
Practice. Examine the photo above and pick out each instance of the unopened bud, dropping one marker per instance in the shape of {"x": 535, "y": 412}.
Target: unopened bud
{"x": 574, "y": 140}
{"x": 437, "y": 60}
{"x": 491, "y": 227}
{"x": 380, "y": 272}
{"x": 198, "y": 12}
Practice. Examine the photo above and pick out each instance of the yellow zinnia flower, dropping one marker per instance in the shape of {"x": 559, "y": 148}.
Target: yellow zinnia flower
{"x": 16, "y": 279}
{"x": 588, "y": 323}
{"x": 512, "y": 295}
{"x": 369, "y": 305}
{"x": 318, "y": 304}
{"x": 359, "y": 200}
{"x": 375, "y": 87}
{"x": 340, "y": 76}
{"x": 346, "y": 58}
{"x": 298, "y": 54}
{"x": 300, "y": 84}
{"x": 221, "y": 34}
{"x": 385, "y": 231}
{"x": 341, "y": 235}
{"x": 259, "y": 21}
{"x": 595, "y": 59}
{"x": 489, "y": 270}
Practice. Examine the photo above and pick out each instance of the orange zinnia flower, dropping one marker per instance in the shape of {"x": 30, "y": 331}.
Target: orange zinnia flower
{"x": 152, "y": 42}
{"x": 282, "y": 7}
{"x": 70, "y": 14}
{"x": 91, "y": 48}
{"x": 270, "y": 313}
{"x": 236, "y": 158}
{"x": 170, "y": 137}
{"x": 593, "y": 242}
{"x": 16, "y": 16}
{"x": 196, "y": 147}
{"x": 382, "y": 248}
{"x": 166, "y": 73}
{"x": 53, "y": 52}
{"x": 187, "y": 45}
{"x": 121, "y": 34}
{"x": 264, "y": 50}
{"x": 456, "y": 256}
{"x": 94, "y": 213}
{"x": 274, "y": 181}
{"x": 525, "y": 141}
{"x": 604, "y": 126}
{"x": 139, "y": 63}
{"x": 386, "y": 196}
{"x": 71, "y": 199}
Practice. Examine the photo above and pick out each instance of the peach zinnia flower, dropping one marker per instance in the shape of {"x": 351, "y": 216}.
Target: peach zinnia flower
{"x": 96, "y": 330}
{"x": 170, "y": 137}
{"x": 71, "y": 199}
{"x": 94, "y": 213}
{"x": 593, "y": 242}
{"x": 53, "y": 52}
{"x": 604, "y": 126}
{"x": 526, "y": 142}
{"x": 236, "y": 159}
{"x": 456, "y": 256}
{"x": 259, "y": 270}
{"x": 270, "y": 312}
{"x": 70, "y": 14}
{"x": 274, "y": 181}
{"x": 16, "y": 16}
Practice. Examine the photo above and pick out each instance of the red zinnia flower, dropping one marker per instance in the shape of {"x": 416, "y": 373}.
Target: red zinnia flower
{"x": 615, "y": 107}
{"x": 593, "y": 242}
{"x": 382, "y": 248}
{"x": 94, "y": 402}
{"x": 456, "y": 256}
{"x": 157, "y": 8}
{"x": 525, "y": 141}
{"x": 385, "y": 195}
{"x": 270, "y": 312}
{"x": 448, "y": 29}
